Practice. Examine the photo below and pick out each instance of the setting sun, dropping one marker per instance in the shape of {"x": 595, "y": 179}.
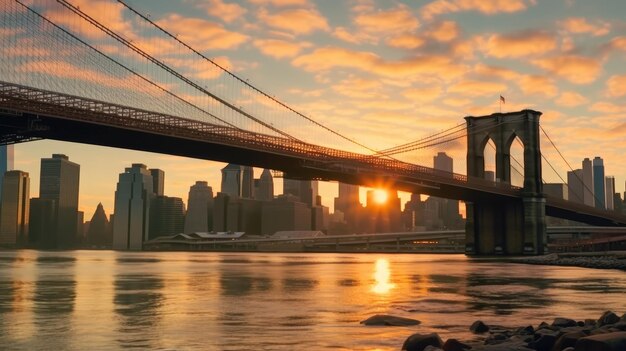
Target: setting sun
{"x": 380, "y": 196}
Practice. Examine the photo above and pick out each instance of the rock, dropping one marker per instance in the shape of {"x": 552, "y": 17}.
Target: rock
{"x": 455, "y": 345}
{"x": 544, "y": 343}
{"x": 567, "y": 340}
{"x": 529, "y": 330}
{"x": 543, "y": 325}
{"x": 620, "y": 326}
{"x": 608, "y": 317}
{"x": 568, "y": 349}
{"x": 384, "y": 319}
{"x": 478, "y": 327}
{"x": 564, "y": 322}
{"x": 623, "y": 319}
{"x": 602, "y": 342}
{"x": 432, "y": 348}
{"x": 418, "y": 342}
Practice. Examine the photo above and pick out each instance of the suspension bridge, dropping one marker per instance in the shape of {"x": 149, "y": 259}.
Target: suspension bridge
{"x": 68, "y": 75}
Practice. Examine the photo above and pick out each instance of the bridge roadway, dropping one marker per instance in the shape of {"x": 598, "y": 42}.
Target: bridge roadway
{"x": 28, "y": 113}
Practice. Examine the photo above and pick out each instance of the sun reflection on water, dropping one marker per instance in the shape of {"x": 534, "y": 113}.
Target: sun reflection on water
{"x": 382, "y": 273}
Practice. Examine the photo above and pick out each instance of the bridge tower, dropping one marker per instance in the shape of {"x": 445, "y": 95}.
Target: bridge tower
{"x": 512, "y": 226}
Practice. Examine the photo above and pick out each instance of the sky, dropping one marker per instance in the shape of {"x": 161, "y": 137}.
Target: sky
{"x": 379, "y": 72}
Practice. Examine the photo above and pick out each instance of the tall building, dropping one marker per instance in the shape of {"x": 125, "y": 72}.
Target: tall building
{"x": 284, "y": 213}
{"x": 247, "y": 182}
{"x": 443, "y": 162}
{"x": 609, "y": 186}
{"x": 132, "y": 208}
{"x": 59, "y": 181}
{"x": 348, "y": 203}
{"x": 232, "y": 179}
{"x": 448, "y": 209}
{"x": 42, "y": 218}
{"x": 199, "y": 216}
{"x": 14, "y": 212}
{"x": 7, "y": 160}
{"x": 588, "y": 194}
{"x": 167, "y": 216}
{"x": 264, "y": 190}
{"x": 158, "y": 181}
{"x": 99, "y": 233}
{"x": 598, "y": 182}
{"x": 575, "y": 186}
{"x": 305, "y": 191}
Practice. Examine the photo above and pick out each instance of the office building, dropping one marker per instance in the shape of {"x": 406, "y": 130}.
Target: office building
{"x": 14, "y": 212}
{"x": 588, "y": 194}
{"x": 306, "y": 191}
{"x": 448, "y": 209}
{"x": 42, "y": 218}
{"x": 132, "y": 208}
{"x": 59, "y": 181}
{"x": 199, "y": 217}
{"x": 264, "y": 189}
{"x": 244, "y": 215}
{"x": 490, "y": 176}
{"x": 220, "y": 212}
{"x": 7, "y": 161}
{"x": 247, "y": 182}
{"x": 167, "y": 216}
{"x": 99, "y": 234}
{"x": 232, "y": 179}
{"x": 158, "y": 181}
{"x": 575, "y": 186}
{"x": 443, "y": 162}
{"x": 284, "y": 213}
{"x": 609, "y": 186}
{"x": 348, "y": 203}
{"x": 556, "y": 190}
{"x": 598, "y": 182}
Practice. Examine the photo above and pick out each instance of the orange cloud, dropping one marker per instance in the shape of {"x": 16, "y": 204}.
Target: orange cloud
{"x": 422, "y": 94}
{"x": 616, "y": 86}
{"x": 488, "y": 7}
{"x": 519, "y": 44}
{"x": 109, "y": 14}
{"x": 397, "y": 20}
{"x": 342, "y": 33}
{"x": 444, "y": 31}
{"x": 332, "y": 57}
{"x": 279, "y": 48}
{"x": 538, "y": 85}
{"x": 571, "y": 99}
{"x": 280, "y": 3}
{"x": 607, "y": 107}
{"x": 358, "y": 87}
{"x": 579, "y": 25}
{"x": 576, "y": 69}
{"x": 495, "y": 72}
{"x": 477, "y": 88}
{"x": 618, "y": 43}
{"x": 405, "y": 41}
{"x": 296, "y": 21}
{"x": 226, "y": 11}
{"x": 202, "y": 34}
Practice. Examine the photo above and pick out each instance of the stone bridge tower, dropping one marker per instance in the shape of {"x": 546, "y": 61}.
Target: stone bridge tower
{"x": 514, "y": 226}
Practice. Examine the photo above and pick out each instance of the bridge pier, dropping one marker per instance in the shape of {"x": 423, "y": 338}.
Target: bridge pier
{"x": 510, "y": 226}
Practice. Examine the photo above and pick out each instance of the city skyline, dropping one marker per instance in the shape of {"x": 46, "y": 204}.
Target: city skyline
{"x": 392, "y": 64}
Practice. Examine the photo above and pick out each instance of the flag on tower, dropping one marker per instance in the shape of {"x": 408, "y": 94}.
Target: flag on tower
{"x": 502, "y": 99}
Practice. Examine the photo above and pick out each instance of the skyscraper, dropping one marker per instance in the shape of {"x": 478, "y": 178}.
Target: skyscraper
{"x": 265, "y": 187}
{"x": 14, "y": 213}
{"x": 247, "y": 182}
{"x": 587, "y": 184}
{"x": 59, "y": 181}
{"x": 158, "y": 181}
{"x": 598, "y": 182}
{"x": 132, "y": 208}
{"x": 347, "y": 202}
{"x": 232, "y": 179}
{"x": 99, "y": 233}
{"x": 448, "y": 208}
{"x": 199, "y": 216}
{"x": 443, "y": 162}
{"x": 305, "y": 191}
{"x": 167, "y": 216}
{"x": 610, "y": 192}
{"x": 7, "y": 160}
{"x": 575, "y": 187}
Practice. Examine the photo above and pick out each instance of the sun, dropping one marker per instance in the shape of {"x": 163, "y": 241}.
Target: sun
{"x": 380, "y": 196}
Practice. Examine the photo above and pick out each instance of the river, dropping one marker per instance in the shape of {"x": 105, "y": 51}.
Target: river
{"x": 106, "y": 300}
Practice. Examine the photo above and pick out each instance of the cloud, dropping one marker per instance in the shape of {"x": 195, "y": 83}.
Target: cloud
{"x": 444, "y": 31}
{"x": 495, "y": 72}
{"x": 618, "y": 43}
{"x": 296, "y": 21}
{"x": 105, "y": 12}
{"x": 579, "y": 25}
{"x": 405, "y": 41}
{"x": 356, "y": 87}
{"x": 344, "y": 34}
{"x": 422, "y": 94}
{"x": 607, "y": 107}
{"x": 538, "y": 85}
{"x": 576, "y": 69}
{"x": 202, "y": 34}
{"x": 519, "y": 44}
{"x": 488, "y": 7}
{"x": 397, "y": 20}
{"x": 616, "y": 86}
{"x": 571, "y": 99}
{"x": 225, "y": 11}
{"x": 280, "y": 48}
{"x": 327, "y": 58}
{"x": 477, "y": 88}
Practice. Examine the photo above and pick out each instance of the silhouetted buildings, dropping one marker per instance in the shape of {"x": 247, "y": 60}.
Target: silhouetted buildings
{"x": 609, "y": 188}
{"x": 598, "y": 182}
{"x": 285, "y": 213}
{"x": 59, "y": 182}
{"x": 575, "y": 186}
{"x": 167, "y": 216}
{"x": 232, "y": 180}
{"x": 14, "y": 211}
{"x": 199, "y": 217}
{"x": 587, "y": 184}
{"x": 132, "y": 208}
{"x": 158, "y": 181}
{"x": 99, "y": 233}
{"x": 347, "y": 202}
{"x": 264, "y": 186}
{"x": 7, "y": 160}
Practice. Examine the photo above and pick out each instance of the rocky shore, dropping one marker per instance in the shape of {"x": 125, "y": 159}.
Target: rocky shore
{"x": 606, "y": 260}
{"x": 607, "y": 333}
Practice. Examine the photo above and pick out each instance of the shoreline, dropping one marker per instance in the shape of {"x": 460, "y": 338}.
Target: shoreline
{"x": 597, "y": 260}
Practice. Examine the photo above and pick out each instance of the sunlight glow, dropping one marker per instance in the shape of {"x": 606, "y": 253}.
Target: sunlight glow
{"x": 380, "y": 196}
{"x": 382, "y": 274}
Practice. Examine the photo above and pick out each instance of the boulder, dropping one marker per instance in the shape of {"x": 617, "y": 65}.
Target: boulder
{"x": 602, "y": 342}
{"x": 432, "y": 348}
{"x": 608, "y": 317}
{"x": 564, "y": 322}
{"x": 544, "y": 343}
{"x": 567, "y": 340}
{"x": 479, "y": 327}
{"x": 455, "y": 345}
{"x": 388, "y": 320}
{"x": 529, "y": 330}
{"x": 418, "y": 342}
